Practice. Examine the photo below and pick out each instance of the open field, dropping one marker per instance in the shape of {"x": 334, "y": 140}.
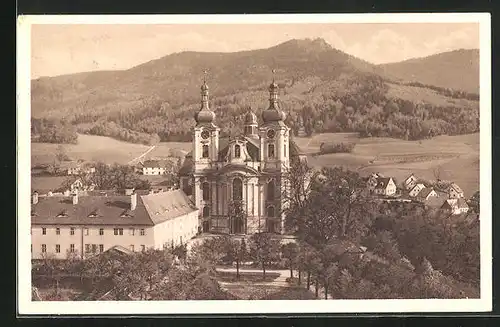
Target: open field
{"x": 455, "y": 158}
{"x": 105, "y": 149}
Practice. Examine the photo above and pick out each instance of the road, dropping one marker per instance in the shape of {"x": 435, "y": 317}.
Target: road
{"x": 142, "y": 155}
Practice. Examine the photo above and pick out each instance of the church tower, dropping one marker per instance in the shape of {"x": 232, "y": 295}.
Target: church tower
{"x": 275, "y": 156}
{"x": 251, "y": 124}
{"x": 274, "y": 134}
{"x": 205, "y": 144}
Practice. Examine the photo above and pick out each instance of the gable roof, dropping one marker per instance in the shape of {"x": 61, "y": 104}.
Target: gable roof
{"x": 455, "y": 203}
{"x": 425, "y": 192}
{"x": 382, "y": 182}
{"x": 110, "y": 210}
{"x": 165, "y": 206}
{"x": 151, "y": 209}
{"x": 455, "y": 187}
{"x": 154, "y": 164}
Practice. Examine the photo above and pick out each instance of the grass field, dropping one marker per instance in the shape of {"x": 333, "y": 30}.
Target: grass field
{"x": 455, "y": 157}
{"x": 105, "y": 149}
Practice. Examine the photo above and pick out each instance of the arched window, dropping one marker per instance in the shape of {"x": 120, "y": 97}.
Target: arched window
{"x": 270, "y": 150}
{"x": 270, "y": 211}
{"x": 271, "y": 189}
{"x": 206, "y": 191}
{"x": 237, "y": 189}
{"x": 206, "y": 211}
{"x": 237, "y": 151}
{"x": 204, "y": 153}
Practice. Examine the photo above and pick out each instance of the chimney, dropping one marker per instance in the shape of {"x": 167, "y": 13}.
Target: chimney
{"x": 35, "y": 197}
{"x": 75, "y": 198}
{"x": 133, "y": 201}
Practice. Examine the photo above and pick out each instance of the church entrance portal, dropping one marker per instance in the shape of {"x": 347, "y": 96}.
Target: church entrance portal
{"x": 237, "y": 227}
{"x": 206, "y": 226}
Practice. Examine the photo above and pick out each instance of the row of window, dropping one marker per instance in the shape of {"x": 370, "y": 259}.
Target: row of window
{"x": 117, "y": 231}
{"x": 237, "y": 151}
{"x": 238, "y": 190}
{"x": 271, "y": 212}
{"x": 89, "y": 248}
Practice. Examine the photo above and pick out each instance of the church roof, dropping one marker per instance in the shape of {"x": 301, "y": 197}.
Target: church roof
{"x": 252, "y": 146}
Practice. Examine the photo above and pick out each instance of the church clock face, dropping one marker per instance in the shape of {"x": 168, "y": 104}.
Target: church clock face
{"x": 271, "y": 133}
{"x": 205, "y": 135}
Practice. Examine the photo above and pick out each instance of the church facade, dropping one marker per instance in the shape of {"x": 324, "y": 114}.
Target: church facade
{"x": 239, "y": 183}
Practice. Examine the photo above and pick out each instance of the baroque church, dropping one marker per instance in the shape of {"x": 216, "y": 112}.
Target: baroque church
{"x": 239, "y": 183}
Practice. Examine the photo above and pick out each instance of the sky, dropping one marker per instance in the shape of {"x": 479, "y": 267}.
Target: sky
{"x": 65, "y": 49}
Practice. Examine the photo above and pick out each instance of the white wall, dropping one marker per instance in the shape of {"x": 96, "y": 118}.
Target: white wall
{"x": 80, "y": 238}
{"x": 178, "y": 229}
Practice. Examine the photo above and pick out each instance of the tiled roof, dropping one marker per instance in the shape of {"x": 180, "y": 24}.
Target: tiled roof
{"x": 455, "y": 203}
{"x": 154, "y": 164}
{"x": 382, "y": 182}
{"x": 425, "y": 192}
{"x": 110, "y": 208}
{"x": 164, "y": 206}
{"x": 456, "y": 188}
{"x": 151, "y": 209}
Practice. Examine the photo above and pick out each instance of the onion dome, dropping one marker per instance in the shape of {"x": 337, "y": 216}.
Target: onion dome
{"x": 204, "y": 86}
{"x": 204, "y": 116}
{"x": 250, "y": 118}
{"x": 273, "y": 113}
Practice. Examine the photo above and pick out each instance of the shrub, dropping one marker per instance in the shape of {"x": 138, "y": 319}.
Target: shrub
{"x": 336, "y": 147}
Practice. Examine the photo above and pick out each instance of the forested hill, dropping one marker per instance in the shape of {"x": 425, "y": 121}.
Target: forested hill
{"x": 457, "y": 69}
{"x": 332, "y": 90}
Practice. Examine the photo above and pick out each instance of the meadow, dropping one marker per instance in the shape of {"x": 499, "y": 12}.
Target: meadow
{"x": 454, "y": 158}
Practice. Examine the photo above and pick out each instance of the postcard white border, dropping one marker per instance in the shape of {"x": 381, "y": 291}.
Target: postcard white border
{"x": 26, "y": 306}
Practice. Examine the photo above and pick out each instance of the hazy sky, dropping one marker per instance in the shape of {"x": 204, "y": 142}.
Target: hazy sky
{"x": 64, "y": 49}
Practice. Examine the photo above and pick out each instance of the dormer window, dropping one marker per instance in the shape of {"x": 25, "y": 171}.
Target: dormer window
{"x": 127, "y": 214}
{"x": 237, "y": 151}
{"x": 63, "y": 214}
{"x": 94, "y": 214}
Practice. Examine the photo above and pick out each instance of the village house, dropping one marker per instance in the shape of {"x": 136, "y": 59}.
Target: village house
{"x": 416, "y": 190}
{"x": 410, "y": 182}
{"x": 155, "y": 167}
{"x": 456, "y": 206}
{"x": 454, "y": 191}
{"x": 372, "y": 181}
{"x": 88, "y": 225}
{"x": 77, "y": 168}
{"x": 385, "y": 186}
{"x": 426, "y": 193}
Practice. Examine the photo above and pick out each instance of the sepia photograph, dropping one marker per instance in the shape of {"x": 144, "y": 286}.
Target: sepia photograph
{"x": 254, "y": 163}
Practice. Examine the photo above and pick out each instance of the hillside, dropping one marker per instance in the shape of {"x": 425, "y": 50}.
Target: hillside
{"x": 176, "y": 78}
{"x": 457, "y": 69}
{"x": 331, "y": 90}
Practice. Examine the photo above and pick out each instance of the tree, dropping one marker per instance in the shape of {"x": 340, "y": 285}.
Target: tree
{"x": 289, "y": 253}
{"x": 264, "y": 249}
{"x": 308, "y": 260}
{"x": 300, "y": 178}
{"x": 338, "y": 206}
{"x": 61, "y": 153}
{"x": 234, "y": 251}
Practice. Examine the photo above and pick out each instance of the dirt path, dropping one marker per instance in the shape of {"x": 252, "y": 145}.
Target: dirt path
{"x": 142, "y": 155}
{"x": 280, "y": 281}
